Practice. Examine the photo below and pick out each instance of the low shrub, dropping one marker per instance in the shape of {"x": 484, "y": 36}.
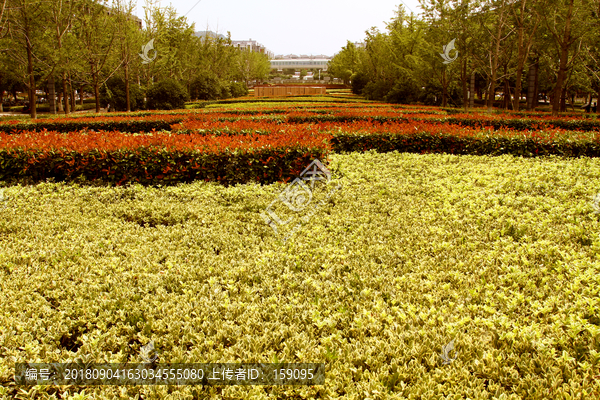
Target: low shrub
{"x": 206, "y": 87}
{"x": 167, "y": 95}
{"x": 238, "y": 89}
{"x": 114, "y": 93}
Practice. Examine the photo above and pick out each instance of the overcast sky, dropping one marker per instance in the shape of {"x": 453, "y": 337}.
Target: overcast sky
{"x": 301, "y": 27}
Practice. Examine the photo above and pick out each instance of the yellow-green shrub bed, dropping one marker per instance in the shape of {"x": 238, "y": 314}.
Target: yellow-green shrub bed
{"x": 498, "y": 253}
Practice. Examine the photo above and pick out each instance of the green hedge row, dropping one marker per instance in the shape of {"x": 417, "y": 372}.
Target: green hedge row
{"x": 518, "y": 124}
{"x": 154, "y": 166}
{"x": 316, "y": 99}
{"x": 46, "y": 107}
{"x": 521, "y": 114}
{"x": 129, "y": 125}
{"x": 107, "y": 125}
{"x": 451, "y": 144}
{"x": 523, "y": 124}
{"x": 297, "y": 119}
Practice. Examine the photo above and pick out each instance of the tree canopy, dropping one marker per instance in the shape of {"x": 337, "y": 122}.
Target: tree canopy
{"x": 82, "y": 44}
{"x": 510, "y": 48}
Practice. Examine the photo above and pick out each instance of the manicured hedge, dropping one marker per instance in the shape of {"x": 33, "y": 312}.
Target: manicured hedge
{"x": 500, "y": 122}
{"x": 430, "y": 137}
{"x": 342, "y": 118}
{"x": 425, "y": 142}
{"x": 518, "y": 114}
{"x": 118, "y": 158}
{"x": 157, "y": 166}
{"x": 236, "y": 142}
{"x": 123, "y": 124}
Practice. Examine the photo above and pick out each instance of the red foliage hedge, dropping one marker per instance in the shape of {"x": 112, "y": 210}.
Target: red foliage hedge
{"x": 118, "y": 158}
{"x": 424, "y": 137}
{"x": 266, "y": 145}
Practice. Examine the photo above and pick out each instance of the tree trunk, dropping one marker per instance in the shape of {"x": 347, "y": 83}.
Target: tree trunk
{"x": 444, "y": 89}
{"x": 72, "y": 94}
{"x": 597, "y": 102}
{"x": 491, "y": 93}
{"x": 588, "y": 103}
{"x": 530, "y": 86}
{"x": 523, "y": 54}
{"x": 588, "y": 98}
{"x": 506, "y": 90}
{"x": 472, "y": 90}
{"x": 563, "y": 100}
{"x": 127, "y": 87}
{"x": 97, "y": 92}
{"x": 490, "y": 96}
{"x": 60, "y": 104}
{"x": 65, "y": 93}
{"x": 52, "y": 94}
{"x": 73, "y": 99}
{"x": 1, "y": 100}
{"x": 564, "y": 45}
{"x": 464, "y": 85}
{"x": 520, "y": 64}
{"x": 81, "y": 96}
{"x": 32, "y": 94}
{"x": 494, "y": 61}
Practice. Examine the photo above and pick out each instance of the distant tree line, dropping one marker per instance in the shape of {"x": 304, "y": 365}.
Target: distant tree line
{"x": 513, "y": 48}
{"x": 61, "y": 46}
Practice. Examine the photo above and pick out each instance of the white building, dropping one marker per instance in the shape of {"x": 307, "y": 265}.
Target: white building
{"x": 300, "y": 63}
{"x": 251, "y": 45}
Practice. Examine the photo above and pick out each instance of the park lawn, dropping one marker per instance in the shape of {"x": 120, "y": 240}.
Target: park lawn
{"x": 413, "y": 251}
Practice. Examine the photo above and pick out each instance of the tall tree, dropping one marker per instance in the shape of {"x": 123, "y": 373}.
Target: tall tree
{"x": 25, "y": 28}
{"x": 96, "y": 34}
{"x": 252, "y": 65}
{"x": 526, "y": 19}
{"x": 440, "y": 34}
{"x": 2, "y": 19}
{"x": 345, "y": 63}
{"x": 560, "y": 21}
{"x": 495, "y": 21}
{"x": 61, "y": 15}
{"x": 129, "y": 38}
{"x": 454, "y": 20}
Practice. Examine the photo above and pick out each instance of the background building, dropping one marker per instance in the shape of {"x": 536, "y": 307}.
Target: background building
{"x": 252, "y": 45}
{"x": 301, "y": 63}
